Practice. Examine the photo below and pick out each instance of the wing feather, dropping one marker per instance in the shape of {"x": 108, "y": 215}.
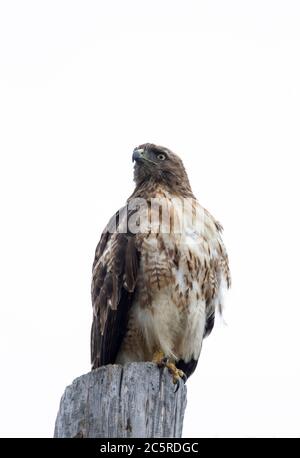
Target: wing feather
{"x": 217, "y": 275}
{"x": 115, "y": 271}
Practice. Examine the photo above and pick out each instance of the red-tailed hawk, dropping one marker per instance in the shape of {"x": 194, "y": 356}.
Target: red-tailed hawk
{"x": 159, "y": 271}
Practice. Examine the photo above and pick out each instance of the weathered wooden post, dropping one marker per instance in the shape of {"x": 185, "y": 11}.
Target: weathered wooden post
{"x": 135, "y": 400}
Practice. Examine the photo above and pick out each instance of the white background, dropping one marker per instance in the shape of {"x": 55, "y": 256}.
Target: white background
{"x": 81, "y": 84}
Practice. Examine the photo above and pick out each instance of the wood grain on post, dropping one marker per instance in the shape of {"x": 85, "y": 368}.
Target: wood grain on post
{"x": 135, "y": 400}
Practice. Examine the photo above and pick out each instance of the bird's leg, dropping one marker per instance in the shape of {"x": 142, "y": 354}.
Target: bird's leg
{"x": 162, "y": 361}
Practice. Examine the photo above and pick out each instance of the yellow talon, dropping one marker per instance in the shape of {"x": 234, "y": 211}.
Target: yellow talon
{"x": 160, "y": 359}
{"x": 176, "y": 373}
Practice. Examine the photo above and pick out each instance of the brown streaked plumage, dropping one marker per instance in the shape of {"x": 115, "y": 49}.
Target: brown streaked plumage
{"x": 157, "y": 290}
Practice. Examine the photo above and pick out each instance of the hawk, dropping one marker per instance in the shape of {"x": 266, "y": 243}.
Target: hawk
{"x": 157, "y": 280}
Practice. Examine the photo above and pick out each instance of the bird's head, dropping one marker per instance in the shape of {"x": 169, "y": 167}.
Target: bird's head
{"x": 159, "y": 165}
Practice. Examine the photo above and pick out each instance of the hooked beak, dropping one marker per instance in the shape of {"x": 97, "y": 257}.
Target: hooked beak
{"x": 138, "y": 154}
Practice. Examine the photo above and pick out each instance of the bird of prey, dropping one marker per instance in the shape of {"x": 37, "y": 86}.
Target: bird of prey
{"x": 157, "y": 281}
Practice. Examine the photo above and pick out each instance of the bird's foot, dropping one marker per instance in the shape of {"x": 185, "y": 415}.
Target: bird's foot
{"x": 159, "y": 358}
{"x": 177, "y": 374}
{"x": 162, "y": 361}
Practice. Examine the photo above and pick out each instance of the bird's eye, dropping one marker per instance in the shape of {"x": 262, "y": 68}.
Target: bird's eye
{"x": 161, "y": 157}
